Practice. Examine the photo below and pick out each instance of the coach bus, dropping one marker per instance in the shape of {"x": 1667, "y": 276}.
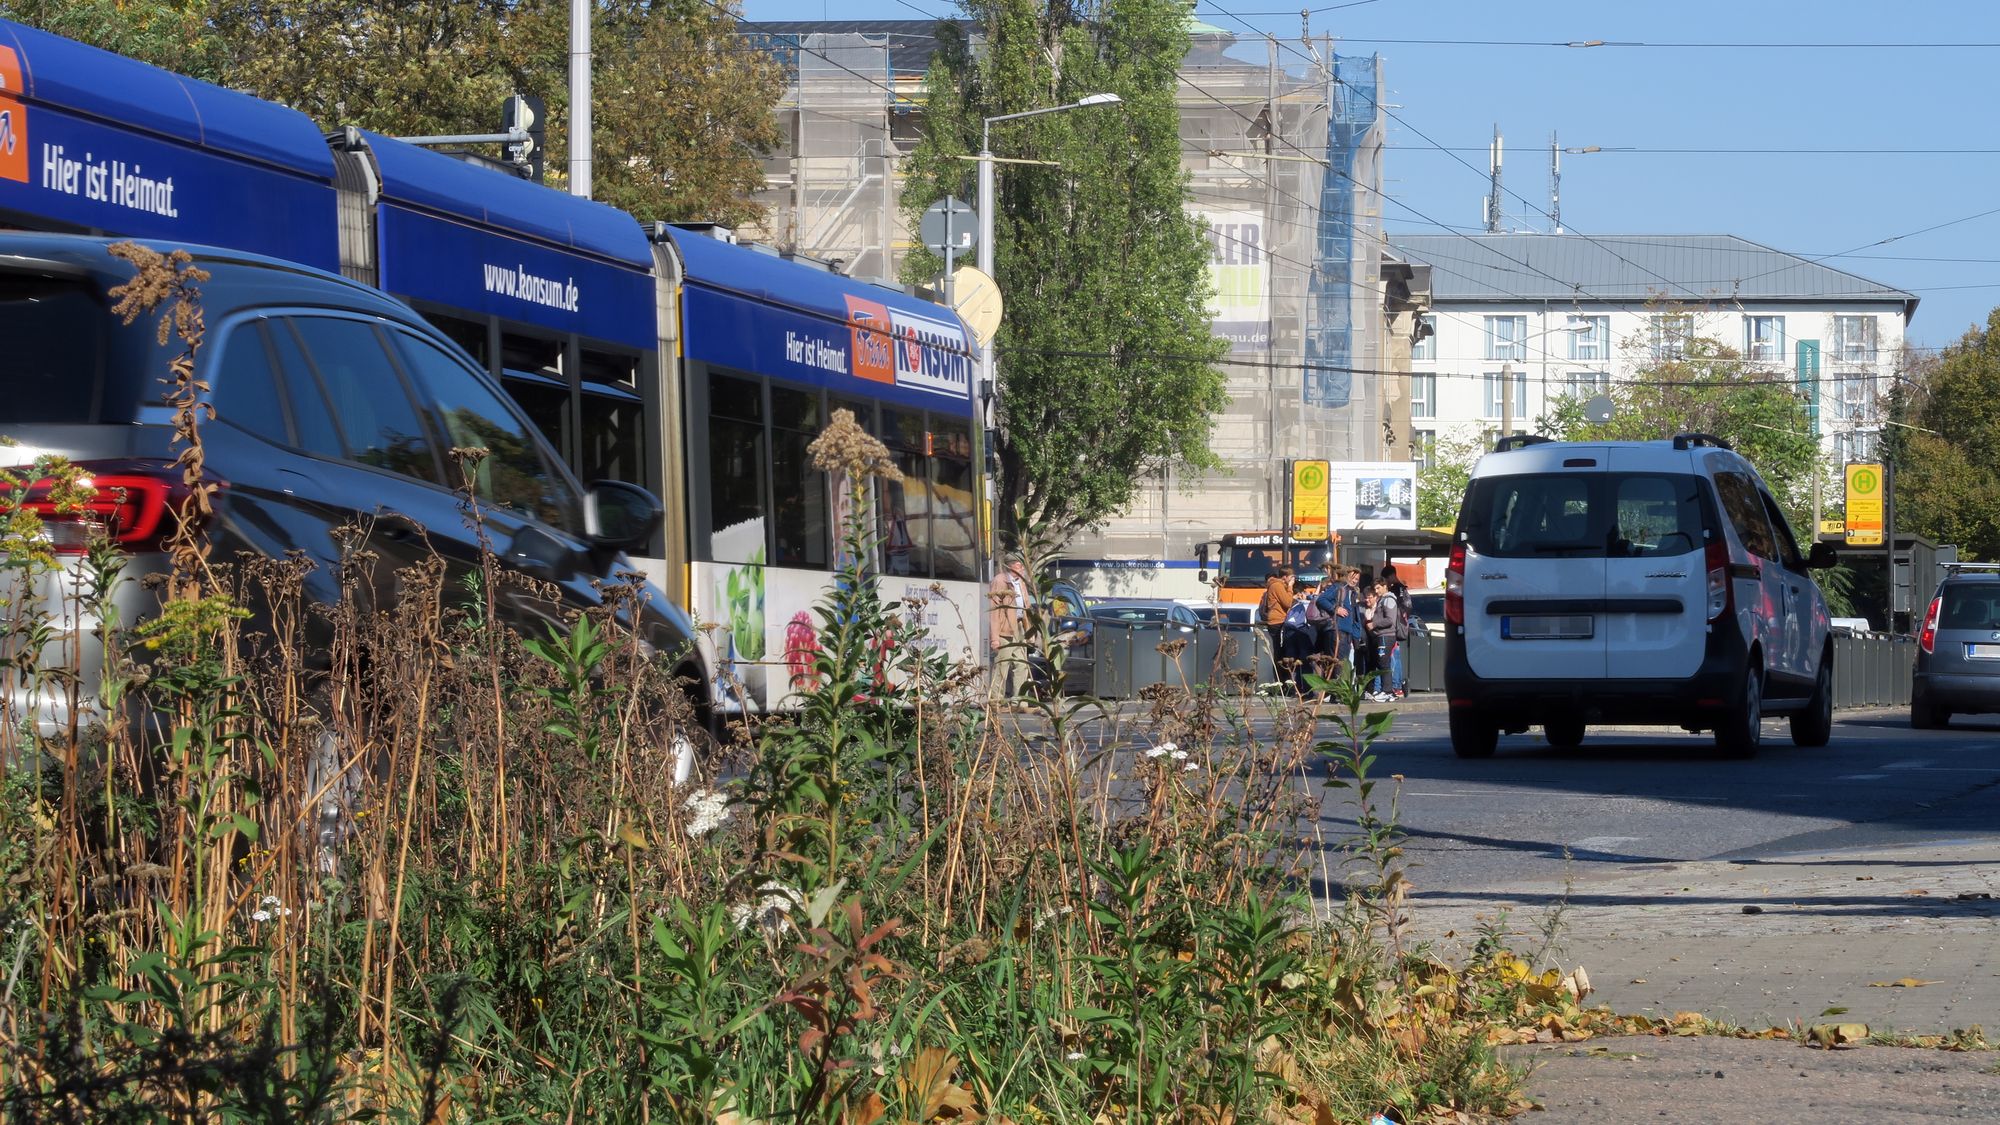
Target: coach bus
{"x": 661, "y": 356}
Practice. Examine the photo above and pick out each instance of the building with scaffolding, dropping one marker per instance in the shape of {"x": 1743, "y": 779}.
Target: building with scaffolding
{"x": 1282, "y": 142}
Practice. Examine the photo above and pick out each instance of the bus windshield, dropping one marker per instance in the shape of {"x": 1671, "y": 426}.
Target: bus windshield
{"x": 1251, "y": 565}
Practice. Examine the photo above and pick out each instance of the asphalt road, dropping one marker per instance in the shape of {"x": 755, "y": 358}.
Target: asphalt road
{"x": 1630, "y": 797}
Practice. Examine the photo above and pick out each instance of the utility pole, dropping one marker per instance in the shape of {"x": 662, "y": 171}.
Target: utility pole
{"x": 579, "y": 97}
{"x": 1555, "y": 183}
{"x": 1889, "y": 538}
{"x": 1493, "y": 155}
{"x": 1506, "y": 400}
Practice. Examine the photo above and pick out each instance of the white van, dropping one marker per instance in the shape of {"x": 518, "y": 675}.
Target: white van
{"x": 1631, "y": 582}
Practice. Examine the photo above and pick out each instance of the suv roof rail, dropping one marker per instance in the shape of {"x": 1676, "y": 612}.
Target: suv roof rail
{"x": 1517, "y": 441}
{"x": 1953, "y": 568}
{"x": 1690, "y": 440}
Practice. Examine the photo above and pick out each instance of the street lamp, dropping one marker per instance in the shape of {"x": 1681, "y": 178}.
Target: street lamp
{"x": 986, "y": 217}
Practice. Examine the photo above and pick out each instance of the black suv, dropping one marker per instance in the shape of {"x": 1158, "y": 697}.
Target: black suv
{"x": 1958, "y": 648}
{"x": 335, "y": 406}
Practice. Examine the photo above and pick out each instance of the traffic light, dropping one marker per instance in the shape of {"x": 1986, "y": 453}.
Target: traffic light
{"x": 526, "y": 113}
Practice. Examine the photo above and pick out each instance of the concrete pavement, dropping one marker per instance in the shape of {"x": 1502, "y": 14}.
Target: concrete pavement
{"x": 1770, "y": 940}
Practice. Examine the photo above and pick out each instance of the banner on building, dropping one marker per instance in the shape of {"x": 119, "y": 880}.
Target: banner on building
{"x": 1239, "y": 270}
{"x": 1372, "y": 494}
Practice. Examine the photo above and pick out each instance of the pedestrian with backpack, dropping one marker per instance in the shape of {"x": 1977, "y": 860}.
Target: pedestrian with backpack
{"x": 1386, "y": 626}
{"x": 1271, "y": 613}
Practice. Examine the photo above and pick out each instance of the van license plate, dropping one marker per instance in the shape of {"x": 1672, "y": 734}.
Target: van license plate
{"x": 1567, "y": 627}
{"x": 1983, "y": 652}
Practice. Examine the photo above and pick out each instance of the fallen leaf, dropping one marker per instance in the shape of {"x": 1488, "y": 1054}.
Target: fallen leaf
{"x": 1638, "y": 980}
{"x": 1831, "y": 1035}
{"x": 1833, "y": 1011}
{"x": 1902, "y": 982}
{"x": 1863, "y": 878}
{"x": 1916, "y": 892}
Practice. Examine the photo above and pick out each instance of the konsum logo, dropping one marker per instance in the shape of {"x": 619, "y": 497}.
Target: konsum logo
{"x": 13, "y": 120}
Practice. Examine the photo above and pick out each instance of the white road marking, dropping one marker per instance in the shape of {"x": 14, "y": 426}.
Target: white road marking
{"x": 1862, "y": 777}
{"x": 1912, "y": 764}
{"x": 1602, "y": 843}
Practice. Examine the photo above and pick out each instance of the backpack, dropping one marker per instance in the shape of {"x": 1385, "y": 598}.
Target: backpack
{"x": 1316, "y": 613}
{"x": 1296, "y": 617}
{"x": 1400, "y": 625}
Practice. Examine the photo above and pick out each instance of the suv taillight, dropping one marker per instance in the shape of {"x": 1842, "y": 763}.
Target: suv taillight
{"x": 1927, "y": 637}
{"x": 129, "y": 502}
{"x": 1454, "y": 586}
{"x": 1718, "y": 579}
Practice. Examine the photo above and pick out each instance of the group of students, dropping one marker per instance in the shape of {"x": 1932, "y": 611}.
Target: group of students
{"x": 1355, "y": 626}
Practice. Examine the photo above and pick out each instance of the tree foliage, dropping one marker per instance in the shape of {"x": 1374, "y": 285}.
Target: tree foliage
{"x": 1709, "y": 388}
{"x": 1441, "y": 484}
{"x": 1946, "y": 450}
{"x": 683, "y": 104}
{"x": 1102, "y": 269}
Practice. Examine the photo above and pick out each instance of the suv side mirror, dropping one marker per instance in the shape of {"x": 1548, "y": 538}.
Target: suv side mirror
{"x": 1821, "y": 557}
{"x": 619, "y": 516}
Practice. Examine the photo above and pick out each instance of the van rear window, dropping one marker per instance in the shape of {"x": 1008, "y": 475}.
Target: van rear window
{"x": 1585, "y": 515}
{"x": 62, "y": 339}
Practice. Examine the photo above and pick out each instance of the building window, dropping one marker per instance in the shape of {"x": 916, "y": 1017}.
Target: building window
{"x": 1590, "y": 337}
{"x": 1764, "y": 337}
{"x": 1424, "y": 448}
{"x": 1585, "y": 384}
{"x": 1507, "y": 337}
{"x": 1856, "y": 445}
{"x": 1496, "y": 406}
{"x": 1671, "y": 333}
{"x": 1423, "y": 396}
{"x": 1854, "y": 339}
{"x": 1856, "y": 398}
{"x": 1424, "y": 348}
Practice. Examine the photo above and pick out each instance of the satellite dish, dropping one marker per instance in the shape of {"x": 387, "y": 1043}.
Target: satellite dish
{"x": 977, "y": 298}
{"x": 1599, "y": 408}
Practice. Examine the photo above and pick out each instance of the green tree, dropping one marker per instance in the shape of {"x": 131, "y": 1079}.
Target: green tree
{"x": 1441, "y": 484}
{"x": 1103, "y": 271}
{"x": 1709, "y": 388}
{"x": 168, "y": 33}
{"x": 683, "y": 103}
{"x": 1946, "y": 446}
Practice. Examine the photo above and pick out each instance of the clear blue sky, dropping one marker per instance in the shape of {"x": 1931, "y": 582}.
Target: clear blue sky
{"x": 1763, "y": 101}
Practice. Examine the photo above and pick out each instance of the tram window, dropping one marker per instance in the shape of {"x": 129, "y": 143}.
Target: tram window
{"x": 312, "y": 417}
{"x": 799, "y": 515}
{"x": 737, "y": 465}
{"x": 613, "y": 422}
{"x": 512, "y": 474}
{"x": 954, "y": 518}
{"x": 246, "y": 387}
{"x": 546, "y": 403}
{"x": 465, "y": 333}
{"x": 369, "y": 399}
{"x": 906, "y": 504}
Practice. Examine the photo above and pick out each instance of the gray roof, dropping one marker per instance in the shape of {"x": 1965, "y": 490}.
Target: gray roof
{"x": 1630, "y": 267}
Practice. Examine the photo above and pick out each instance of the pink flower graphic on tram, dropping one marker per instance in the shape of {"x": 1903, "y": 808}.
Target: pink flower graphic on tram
{"x": 801, "y": 646}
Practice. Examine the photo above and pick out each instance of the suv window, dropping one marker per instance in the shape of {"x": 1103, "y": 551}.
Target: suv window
{"x": 513, "y": 473}
{"x": 61, "y": 341}
{"x": 1746, "y": 513}
{"x": 1788, "y": 548}
{"x": 1584, "y": 515}
{"x": 246, "y": 386}
{"x": 370, "y": 403}
{"x": 1970, "y": 606}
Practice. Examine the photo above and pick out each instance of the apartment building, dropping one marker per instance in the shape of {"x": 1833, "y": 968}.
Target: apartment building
{"x": 1518, "y": 321}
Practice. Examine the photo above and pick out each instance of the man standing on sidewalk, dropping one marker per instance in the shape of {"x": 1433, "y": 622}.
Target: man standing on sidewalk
{"x": 1007, "y": 629}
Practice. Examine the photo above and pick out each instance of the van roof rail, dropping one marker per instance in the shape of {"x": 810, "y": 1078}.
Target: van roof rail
{"x": 1517, "y": 441}
{"x": 1954, "y": 568}
{"x": 1690, "y": 440}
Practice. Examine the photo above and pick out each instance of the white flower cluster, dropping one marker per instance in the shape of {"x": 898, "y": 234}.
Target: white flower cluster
{"x": 270, "y": 907}
{"x": 771, "y": 912}
{"x": 1166, "y": 748}
{"x": 708, "y": 810}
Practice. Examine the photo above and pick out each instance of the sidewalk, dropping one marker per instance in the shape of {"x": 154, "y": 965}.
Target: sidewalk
{"x": 1767, "y": 941}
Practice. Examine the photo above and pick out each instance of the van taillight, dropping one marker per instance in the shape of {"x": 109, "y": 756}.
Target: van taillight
{"x": 1927, "y": 637}
{"x": 1718, "y": 579}
{"x": 1454, "y": 586}
{"x": 129, "y": 502}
